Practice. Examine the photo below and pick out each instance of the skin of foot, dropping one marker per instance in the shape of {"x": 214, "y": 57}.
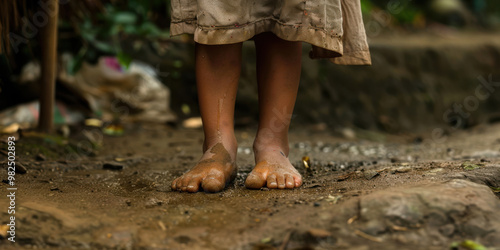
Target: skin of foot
{"x": 273, "y": 170}
{"x": 213, "y": 172}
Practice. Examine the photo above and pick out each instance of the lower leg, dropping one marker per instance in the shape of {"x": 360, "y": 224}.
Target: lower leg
{"x": 278, "y": 76}
{"x": 217, "y": 74}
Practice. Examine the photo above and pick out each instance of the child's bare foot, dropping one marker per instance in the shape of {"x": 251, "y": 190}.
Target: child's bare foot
{"x": 213, "y": 172}
{"x": 273, "y": 170}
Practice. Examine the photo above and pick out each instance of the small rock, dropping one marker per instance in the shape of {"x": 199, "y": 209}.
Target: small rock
{"x": 348, "y": 133}
{"x": 319, "y": 233}
{"x": 20, "y": 168}
{"x": 317, "y": 204}
{"x": 440, "y": 206}
{"x": 112, "y": 166}
{"x": 183, "y": 239}
{"x": 333, "y": 199}
{"x": 128, "y": 202}
{"x": 310, "y": 239}
{"x": 153, "y": 202}
{"x": 3, "y": 231}
{"x": 402, "y": 169}
{"x": 434, "y": 171}
{"x": 447, "y": 230}
{"x": 40, "y": 157}
{"x": 54, "y": 189}
{"x": 370, "y": 174}
{"x": 418, "y": 140}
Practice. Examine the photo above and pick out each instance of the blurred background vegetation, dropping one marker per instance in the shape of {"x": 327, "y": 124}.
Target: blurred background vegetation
{"x": 91, "y": 28}
{"x": 139, "y": 30}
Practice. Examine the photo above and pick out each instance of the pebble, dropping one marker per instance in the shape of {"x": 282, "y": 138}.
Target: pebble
{"x": 20, "y": 168}
{"x": 40, "y": 157}
{"x": 112, "y": 166}
{"x": 153, "y": 202}
{"x": 370, "y": 174}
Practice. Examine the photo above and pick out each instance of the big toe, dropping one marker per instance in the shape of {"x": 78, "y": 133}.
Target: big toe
{"x": 213, "y": 183}
{"x": 255, "y": 180}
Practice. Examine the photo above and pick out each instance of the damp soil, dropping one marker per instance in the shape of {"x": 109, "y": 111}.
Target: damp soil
{"x": 99, "y": 192}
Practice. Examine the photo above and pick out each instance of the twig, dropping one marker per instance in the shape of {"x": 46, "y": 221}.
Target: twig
{"x": 352, "y": 219}
{"x": 285, "y": 241}
{"x": 367, "y": 236}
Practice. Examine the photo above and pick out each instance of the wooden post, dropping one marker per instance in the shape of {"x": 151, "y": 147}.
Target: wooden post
{"x": 48, "y": 42}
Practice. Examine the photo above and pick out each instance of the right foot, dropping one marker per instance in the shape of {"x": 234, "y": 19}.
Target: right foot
{"x": 213, "y": 172}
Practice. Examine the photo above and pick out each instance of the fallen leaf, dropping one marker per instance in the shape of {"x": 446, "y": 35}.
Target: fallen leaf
{"x": 306, "y": 161}
{"x": 468, "y": 244}
{"x": 471, "y": 166}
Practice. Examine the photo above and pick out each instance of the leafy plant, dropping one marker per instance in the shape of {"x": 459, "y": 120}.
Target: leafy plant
{"x": 102, "y": 32}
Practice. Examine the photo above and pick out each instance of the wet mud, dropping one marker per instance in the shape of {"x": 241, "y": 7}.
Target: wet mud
{"x": 391, "y": 192}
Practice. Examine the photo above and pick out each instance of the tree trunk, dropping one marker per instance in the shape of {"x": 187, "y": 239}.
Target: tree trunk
{"x": 48, "y": 42}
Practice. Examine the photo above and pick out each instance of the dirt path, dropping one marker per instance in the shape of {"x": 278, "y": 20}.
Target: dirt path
{"x": 384, "y": 193}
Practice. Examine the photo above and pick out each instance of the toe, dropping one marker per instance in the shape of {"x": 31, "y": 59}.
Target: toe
{"x": 212, "y": 185}
{"x": 174, "y": 184}
{"x": 214, "y": 182}
{"x": 298, "y": 181}
{"x": 281, "y": 181}
{"x": 271, "y": 181}
{"x": 255, "y": 180}
{"x": 184, "y": 183}
{"x": 289, "y": 182}
{"x": 194, "y": 185}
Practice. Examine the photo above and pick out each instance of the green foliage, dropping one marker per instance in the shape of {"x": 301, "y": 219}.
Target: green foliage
{"x": 467, "y": 244}
{"x": 366, "y": 7}
{"x": 124, "y": 59}
{"x": 471, "y": 166}
{"x": 408, "y": 14}
{"x": 102, "y": 32}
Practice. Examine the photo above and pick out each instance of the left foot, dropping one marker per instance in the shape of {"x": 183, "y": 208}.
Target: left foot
{"x": 273, "y": 170}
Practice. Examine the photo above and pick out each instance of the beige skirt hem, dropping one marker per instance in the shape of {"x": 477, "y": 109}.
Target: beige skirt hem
{"x": 324, "y": 45}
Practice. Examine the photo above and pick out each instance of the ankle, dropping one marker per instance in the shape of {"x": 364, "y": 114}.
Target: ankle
{"x": 267, "y": 145}
{"x": 228, "y": 141}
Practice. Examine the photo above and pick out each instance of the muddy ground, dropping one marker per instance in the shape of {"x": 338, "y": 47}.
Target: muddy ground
{"x": 372, "y": 191}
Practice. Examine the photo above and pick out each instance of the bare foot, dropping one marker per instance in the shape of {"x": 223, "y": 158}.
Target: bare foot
{"x": 273, "y": 170}
{"x": 212, "y": 173}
